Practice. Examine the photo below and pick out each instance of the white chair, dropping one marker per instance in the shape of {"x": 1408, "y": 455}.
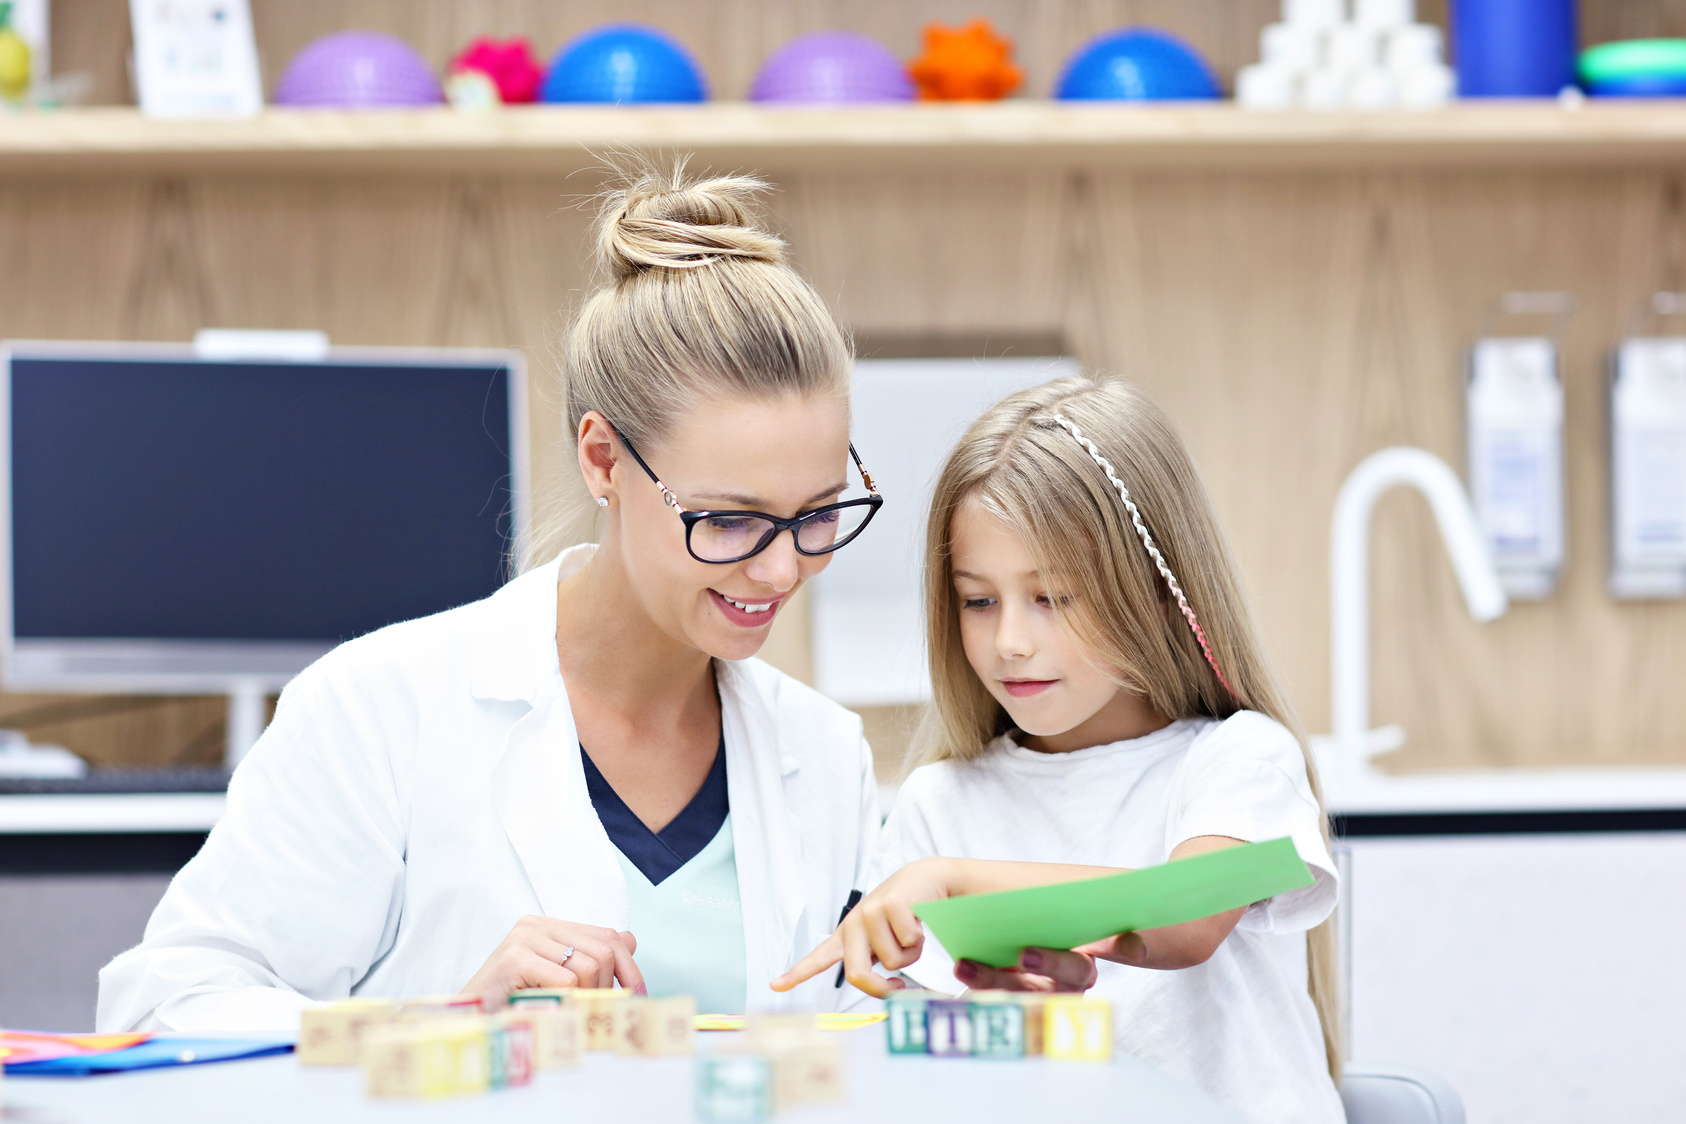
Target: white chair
{"x": 1399, "y": 1096}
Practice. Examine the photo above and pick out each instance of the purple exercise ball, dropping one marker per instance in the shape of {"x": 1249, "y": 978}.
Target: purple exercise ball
{"x": 832, "y": 66}
{"x": 358, "y": 70}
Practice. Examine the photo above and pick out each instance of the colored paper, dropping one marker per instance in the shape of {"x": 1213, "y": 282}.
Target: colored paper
{"x": 825, "y": 1020}
{"x": 20, "y": 1046}
{"x": 157, "y": 1051}
{"x": 994, "y": 928}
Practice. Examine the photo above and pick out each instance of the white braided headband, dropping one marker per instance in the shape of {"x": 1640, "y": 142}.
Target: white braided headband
{"x": 1147, "y": 541}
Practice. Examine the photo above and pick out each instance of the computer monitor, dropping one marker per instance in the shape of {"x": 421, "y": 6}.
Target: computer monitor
{"x": 181, "y": 525}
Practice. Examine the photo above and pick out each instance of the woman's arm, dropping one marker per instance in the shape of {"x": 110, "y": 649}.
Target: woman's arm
{"x": 295, "y": 893}
{"x": 883, "y": 928}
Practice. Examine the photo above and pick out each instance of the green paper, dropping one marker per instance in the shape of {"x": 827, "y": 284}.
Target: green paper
{"x": 994, "y": 928}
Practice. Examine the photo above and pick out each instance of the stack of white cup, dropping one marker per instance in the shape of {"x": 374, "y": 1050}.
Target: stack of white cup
{"x": 1347, "y": 54}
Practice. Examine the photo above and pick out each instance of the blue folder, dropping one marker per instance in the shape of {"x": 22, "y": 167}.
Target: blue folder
{"x": 163, "y": 1050}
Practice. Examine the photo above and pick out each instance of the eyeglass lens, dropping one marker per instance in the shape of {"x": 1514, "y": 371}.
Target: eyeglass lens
{"x": 727, "y": 537}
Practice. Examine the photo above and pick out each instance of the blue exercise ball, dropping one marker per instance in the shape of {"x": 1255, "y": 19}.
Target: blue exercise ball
{"x": 623, "y": 63}
{"x": 1137, "y": 64}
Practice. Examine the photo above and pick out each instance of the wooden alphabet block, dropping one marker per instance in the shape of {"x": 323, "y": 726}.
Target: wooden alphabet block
{"x": 419, "y": 1059}
{"x": 906, "y": 1028}
{"x": 948, "y": 1023}
{"x": 807, "y": 1071}
{"x": 997, "y": 1025}
{"x": 509, "y": 1050}
{"x": 429, "y": 1008}
{"x": 333, "y": 1034}
{"x": 1079, "y": 1029}
{"x": 558, "y": 1033}
{"x": 734, "y": 1087}
{"x": 549, "y": 996}
{"x": 655, "y": 1027}
{"x": 598, "y": 1005}
{"x": 1035, "y": 1004}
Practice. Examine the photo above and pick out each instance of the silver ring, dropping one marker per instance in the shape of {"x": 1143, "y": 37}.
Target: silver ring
{"x": 566, "y": 953}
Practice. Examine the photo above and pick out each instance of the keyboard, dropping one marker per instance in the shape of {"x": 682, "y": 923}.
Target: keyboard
{"x": 113, "y": 781}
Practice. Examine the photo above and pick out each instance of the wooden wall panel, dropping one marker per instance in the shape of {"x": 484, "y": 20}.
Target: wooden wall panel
{"x": 429, "y": 262}
{"x": 1294, "y": 324}
{"x": 1326, "y": 314}
{"x": 1291, "y": 323}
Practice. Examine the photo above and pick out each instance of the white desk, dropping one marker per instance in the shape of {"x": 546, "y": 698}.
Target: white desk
{"x": 111, "y": 812}
{"x": 1508, "y": 790}
{"x": 614, "y": 1090}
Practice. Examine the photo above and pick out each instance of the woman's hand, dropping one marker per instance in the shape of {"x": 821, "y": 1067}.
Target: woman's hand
{"x": 535, "y": 954}
{"x": 881, "y": 928}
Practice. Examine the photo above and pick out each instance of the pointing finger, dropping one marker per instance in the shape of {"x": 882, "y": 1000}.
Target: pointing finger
{"x": 829, "y": 952}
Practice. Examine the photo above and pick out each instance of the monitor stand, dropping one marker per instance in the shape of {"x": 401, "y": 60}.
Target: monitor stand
{"x": 248, "y": 700}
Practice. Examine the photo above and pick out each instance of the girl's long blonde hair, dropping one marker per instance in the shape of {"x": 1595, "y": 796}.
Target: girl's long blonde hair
{"x": 1024, "y": 467}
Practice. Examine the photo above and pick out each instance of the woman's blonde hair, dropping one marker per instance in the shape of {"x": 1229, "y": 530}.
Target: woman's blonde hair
{"x": 1025, "y": 467}
{"x": 695, "y": 301}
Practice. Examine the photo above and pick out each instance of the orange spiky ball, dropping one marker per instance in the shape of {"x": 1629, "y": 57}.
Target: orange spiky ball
{"x": 971, "y": 63}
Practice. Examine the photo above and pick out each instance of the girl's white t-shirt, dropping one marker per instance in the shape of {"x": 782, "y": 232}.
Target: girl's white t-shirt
{"x": 1240, "y": 1026}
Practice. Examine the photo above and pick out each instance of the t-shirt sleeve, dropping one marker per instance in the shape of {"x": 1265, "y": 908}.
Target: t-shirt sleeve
{"x": 1247, "y": 779}
{"x": 907, "y": 835}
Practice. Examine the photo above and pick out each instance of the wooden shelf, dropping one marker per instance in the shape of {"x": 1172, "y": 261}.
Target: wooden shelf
{"x": 558, "y": 139}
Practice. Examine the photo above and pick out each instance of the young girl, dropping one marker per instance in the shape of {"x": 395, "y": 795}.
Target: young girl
{"x": 1101, "y": 703}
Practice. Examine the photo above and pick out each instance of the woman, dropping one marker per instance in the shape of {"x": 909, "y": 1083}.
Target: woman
{"x": 582, "y": 780}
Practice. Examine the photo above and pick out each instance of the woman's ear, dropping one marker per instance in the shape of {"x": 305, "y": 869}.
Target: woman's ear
{"x": 596, "y": 448}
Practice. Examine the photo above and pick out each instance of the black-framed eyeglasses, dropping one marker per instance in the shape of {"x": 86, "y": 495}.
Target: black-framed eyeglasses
{"x": 719, "y": 537}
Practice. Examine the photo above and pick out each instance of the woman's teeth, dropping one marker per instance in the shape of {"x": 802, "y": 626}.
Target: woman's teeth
{"x": 750, "y": 608}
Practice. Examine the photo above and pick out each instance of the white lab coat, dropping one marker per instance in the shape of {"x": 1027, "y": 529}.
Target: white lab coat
{"x": 420, "y": 790}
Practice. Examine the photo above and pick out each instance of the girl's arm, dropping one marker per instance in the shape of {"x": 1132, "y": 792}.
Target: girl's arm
{"x": 883, "y": 928}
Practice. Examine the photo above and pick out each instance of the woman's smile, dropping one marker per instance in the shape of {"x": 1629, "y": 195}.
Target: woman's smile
{"x": 747, "y": 614}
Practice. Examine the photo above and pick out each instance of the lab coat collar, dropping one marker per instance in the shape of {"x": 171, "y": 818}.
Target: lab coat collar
{"x": 513, "y": 649}
{"x": 766, "y": 834}
{"x": 541, "y": 798}
{"x": 538, "y": 783}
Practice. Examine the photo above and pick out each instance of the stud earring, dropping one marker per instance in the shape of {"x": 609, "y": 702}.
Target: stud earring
{"x": 602, "y": 501}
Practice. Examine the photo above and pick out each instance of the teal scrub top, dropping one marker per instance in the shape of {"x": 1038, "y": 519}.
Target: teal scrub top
{"x": 690, "y": 927}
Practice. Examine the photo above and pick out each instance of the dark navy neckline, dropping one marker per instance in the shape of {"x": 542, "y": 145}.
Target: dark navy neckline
{"x": 659, "y": 854}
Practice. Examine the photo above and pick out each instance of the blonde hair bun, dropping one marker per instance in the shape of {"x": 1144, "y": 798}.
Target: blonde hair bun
{"x": 660, "y": 333}
{"x": 659, "y": 219}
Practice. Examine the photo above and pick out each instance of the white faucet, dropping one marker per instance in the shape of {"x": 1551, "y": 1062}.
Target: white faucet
{"x": 1347, "y": 752}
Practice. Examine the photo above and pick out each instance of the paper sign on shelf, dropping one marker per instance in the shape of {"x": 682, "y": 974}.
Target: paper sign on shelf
{"x": 993, "y": 929}
{"x": 196, "y": 58}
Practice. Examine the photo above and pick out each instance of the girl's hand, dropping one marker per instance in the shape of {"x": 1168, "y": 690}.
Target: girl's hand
{"x": 535, "y": 954}
{"x": 881, "y": 929}
{"x": 1052, "y": 969}
{"x": 1047, "y": 969}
